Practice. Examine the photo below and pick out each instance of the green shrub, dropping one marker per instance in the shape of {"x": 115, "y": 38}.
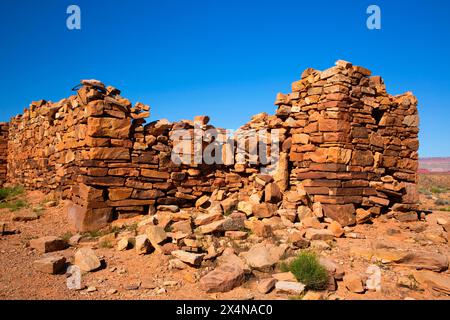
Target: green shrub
{"x": 106, "y": 245}
{"x": 308, "y": 270}
{"x": 10, "y": 192}
{"x": 437, "y": 190}
{"x": 66, "y": 236}
{"x": 14, "y": 205}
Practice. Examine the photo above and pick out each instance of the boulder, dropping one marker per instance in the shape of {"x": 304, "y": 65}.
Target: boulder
{"x": 435, "y": 281}
{"x": 194, "y": 259}
{"x": 142, "y": 244}
{"x": 124, "y": 243}
{"x": 344, "y": 214}
{"x": 156, "y": 235}
{"x": 319, "y": 234}
{"x": 289, "y": 287}
{"x": 264, "y": 210}
{"x": 263, "y": 257}
{"x": 73, "y": 278}
{"x": 87, "y": 260}
{"x": 373, "y": 281}
{"x": 336, "y": 228}
{"x": 222, "y": 279}
{"x": 266, "y": 285}
{"x": 25, "y": 216}
{"x": 208, "y": 218}
{"x": 48, "y": 244}
{"x": 50, "y": 264}
{"x": 353, "y": 283}
{"x": 425, "y": 260}
{"x": 272, "y": 193}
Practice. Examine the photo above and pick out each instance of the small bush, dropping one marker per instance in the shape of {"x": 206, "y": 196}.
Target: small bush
{"x": 66, "y": 236}
{"x": 308, "y": 270}
{"x": 437, "y": 190}
{"x": 14, "y": 205}
{"x": 10, "y": 192}
{"x": 105, "y": 245}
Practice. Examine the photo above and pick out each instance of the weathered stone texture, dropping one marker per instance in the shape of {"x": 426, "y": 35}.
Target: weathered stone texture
{"x": 344, "y": 143}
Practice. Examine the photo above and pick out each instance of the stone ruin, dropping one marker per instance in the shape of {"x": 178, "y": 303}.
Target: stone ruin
{"x": 348, "y": 152}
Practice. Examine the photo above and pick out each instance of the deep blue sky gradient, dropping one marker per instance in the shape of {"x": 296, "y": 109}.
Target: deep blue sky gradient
{"x": 226, "y": 59}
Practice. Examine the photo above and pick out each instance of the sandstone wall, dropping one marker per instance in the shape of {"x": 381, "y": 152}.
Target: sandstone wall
{"x": 4, "y": 129}
{"x": 341, "y": 138}
{"x": 352, "y": 143}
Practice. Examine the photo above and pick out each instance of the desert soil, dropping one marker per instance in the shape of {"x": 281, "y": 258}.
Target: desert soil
{"x": 126, "y": 275}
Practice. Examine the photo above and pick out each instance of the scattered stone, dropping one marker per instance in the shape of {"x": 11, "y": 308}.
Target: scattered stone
{"x": 312, "y": 295}
{"x": 75, "y": 240}
{"x": 156, "y": 235}
{"x": 272, "y": 193}
{"x": 284, "y": 276}
{"x": 188, "y": 257}
{"x": 266, "y": 285}
{"x": 435, "y": 281}
{"x": 245, "y": 207}
{"x": 425, "y": 260}
{"x": 297, "y": 239}
{"x": 48, "y": 244}
{"x": 264, "y": 210}
{"x": 142, "y": 244}
{"x": 264, "y": 256}
{"x": 410, "y": 216}
{"x": 288, "y": 287}
{"x": 259, "y": 228}
{"x": 91, "y": 289}
{"x": 373, "y": 282}
{"x": 73, "y": 280}
{"x": 320, "y": 245}
{"x": 86, "y": 260}
{"x": 223, "y": 278}
{"x": 353, "y": 283}
{"x": 123, "y": 244}
{"x": 333, "y": 269}
{"x": 317, "y": 210}
{"x": 215, "y": 226}
{"x": 362, "y": 216}
{"x": 25, "y": 216}
{"x": 336, "y": 229}
{"x": 50, "y": 264}
{"x": 311, "y": 222}
{"x": 236, "y": 235}
{"x": 111, "y": 291}
{"x": 319, "y": 234}
{"x": 408, "y": 282}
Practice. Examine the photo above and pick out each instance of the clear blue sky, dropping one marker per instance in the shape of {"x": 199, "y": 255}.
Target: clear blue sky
{"x": 226, "y": 59}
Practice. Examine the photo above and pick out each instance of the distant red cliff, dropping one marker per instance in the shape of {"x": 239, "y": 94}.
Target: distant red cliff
{"x": 434, "y": 165}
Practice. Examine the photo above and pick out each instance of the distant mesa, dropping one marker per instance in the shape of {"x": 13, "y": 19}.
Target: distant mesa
{"x": 434, "y": 165}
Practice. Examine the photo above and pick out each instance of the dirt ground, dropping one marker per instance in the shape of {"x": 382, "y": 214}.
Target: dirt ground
{"x": 127, "y": 275}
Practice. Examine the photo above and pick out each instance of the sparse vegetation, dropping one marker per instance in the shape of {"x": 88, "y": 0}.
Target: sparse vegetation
{"x": 10, "y": 198}
{"x": 105, "y": 245}
{"x": 132, "y": 227}
{"x": 94, "y": 234}
{"x": 15, "y": 205}
{"x": 308, "y": 270}
{"x": 437, "y": 190}
{"x": 66, "y": 236}
{"x": 11, "y": 192}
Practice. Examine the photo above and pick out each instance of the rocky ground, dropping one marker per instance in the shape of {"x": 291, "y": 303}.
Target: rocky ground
{"x": 383, "y": 259}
